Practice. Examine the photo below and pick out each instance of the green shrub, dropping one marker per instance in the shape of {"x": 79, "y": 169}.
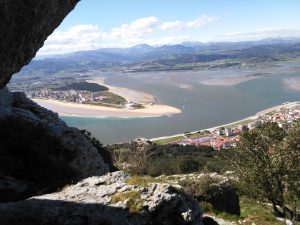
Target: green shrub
{"x": 217, "y": 192}
{"x": 134, "y": 201}
{"x": 142, "y": 181}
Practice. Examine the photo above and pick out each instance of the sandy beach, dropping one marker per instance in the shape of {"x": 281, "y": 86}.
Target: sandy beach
{"x": 85, "y": 110}
{"x": 151, "y": 108}
{"x": 228, "y": 81}
{"x": 129, "y": 94}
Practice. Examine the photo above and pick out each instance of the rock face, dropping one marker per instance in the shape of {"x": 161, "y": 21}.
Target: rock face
{"x": 76, "y": 151}
{"x": 87, "y": 161}
{"x": 89, "y": 202}
{"x": 24, "y": 26}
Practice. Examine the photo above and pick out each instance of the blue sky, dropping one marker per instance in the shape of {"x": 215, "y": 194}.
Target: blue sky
{"x": 124, "y": 23}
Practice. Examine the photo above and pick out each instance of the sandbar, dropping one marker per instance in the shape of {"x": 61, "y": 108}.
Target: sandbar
{"x": 227, "y": 81}
{"x": 86, "y": 110}
{"x": 293, "y": 83}
{"x": 129, "y": 94}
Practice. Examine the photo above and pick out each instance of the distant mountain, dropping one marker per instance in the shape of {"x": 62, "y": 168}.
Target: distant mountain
{"x": 181, "y": 56}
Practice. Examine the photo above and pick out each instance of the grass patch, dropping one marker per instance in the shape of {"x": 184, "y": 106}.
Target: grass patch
{"x": 169, "y": 140}
{"x": 251, "y": 213}
{"x": 244, "y": 122}
{"x": 208, "y": 208}
{"x": 105, "y": 105}
{"x": 134, "y": 200}
{"x": 142, "y": 181}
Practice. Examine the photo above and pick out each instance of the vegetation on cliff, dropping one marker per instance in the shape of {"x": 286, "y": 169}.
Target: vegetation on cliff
{"x": 155, "y": 160}
{"x": 267, "y": 163}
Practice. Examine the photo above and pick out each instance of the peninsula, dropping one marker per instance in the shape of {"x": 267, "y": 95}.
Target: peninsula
{"x": 93, "y": 98}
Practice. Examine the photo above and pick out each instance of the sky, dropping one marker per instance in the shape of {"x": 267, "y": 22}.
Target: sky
{"x": 95, "y": 24}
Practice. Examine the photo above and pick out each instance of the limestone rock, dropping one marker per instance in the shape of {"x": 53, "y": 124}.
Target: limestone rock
{"x": 24, "y": 26}
{"x": 89, "y": 202}
{"x": 87, "y": 161}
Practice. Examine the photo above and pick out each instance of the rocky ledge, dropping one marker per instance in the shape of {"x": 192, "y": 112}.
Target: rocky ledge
{"x": 106, "y": 200}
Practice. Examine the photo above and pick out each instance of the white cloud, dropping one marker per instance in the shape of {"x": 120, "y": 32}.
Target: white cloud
{"x": 89, "y": 36}
{"x": 172, "y": 26}
{"x": 81, "y": 37}
{"x": 133, "y": 33}
{"x": 137, "y": 28}
{"x": 200, "y": 22}
{"x": 149, "y": 30}
{"x": 193, "y": 24}
{"x": 257, "y": 35}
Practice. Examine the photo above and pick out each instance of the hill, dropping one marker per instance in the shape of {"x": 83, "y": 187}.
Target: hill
{"x": 187, "y": 56}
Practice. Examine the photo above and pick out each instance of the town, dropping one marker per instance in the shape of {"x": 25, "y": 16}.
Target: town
{"x": 69, "y": 95}
{"x": 227, "y": 136}
{"x": 103, "y": 98}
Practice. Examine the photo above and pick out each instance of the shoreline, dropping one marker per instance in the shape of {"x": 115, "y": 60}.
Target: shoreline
{"x": 255, "y": 116}
{"x": 86, "y": 110}
{"x": 129, "y": 94}
{"x": 151, "y": 106}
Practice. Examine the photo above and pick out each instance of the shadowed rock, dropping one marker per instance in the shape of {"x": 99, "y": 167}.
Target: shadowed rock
{"x": 38, "y": 151}
{"x": 209, "y": 221}
{"x": 24, "y": 26}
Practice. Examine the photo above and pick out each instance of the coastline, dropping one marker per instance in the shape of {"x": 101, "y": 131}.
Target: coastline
{"x": 151, "y": 107}
{"x": 129, "y": 94}
{"x": 255, "y": 116}
{"x": 85, "y": 110}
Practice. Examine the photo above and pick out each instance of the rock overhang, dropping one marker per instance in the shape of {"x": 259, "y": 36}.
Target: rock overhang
{"x": 24, "y": 26}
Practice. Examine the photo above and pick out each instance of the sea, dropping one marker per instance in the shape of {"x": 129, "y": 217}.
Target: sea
{"x": 202, "y": 106}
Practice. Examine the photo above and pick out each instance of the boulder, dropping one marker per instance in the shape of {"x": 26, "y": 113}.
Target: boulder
{"x": 105, "y": 200}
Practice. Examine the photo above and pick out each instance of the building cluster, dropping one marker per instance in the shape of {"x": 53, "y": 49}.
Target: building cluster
{"x": 219, "y": 139}
{"x": 75, "y": 96}
{"x": 132, "y": 105}
{"x": 284, "y": 117}
{"x": 69, "y": 96}
{"x": 227, "y": 137}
